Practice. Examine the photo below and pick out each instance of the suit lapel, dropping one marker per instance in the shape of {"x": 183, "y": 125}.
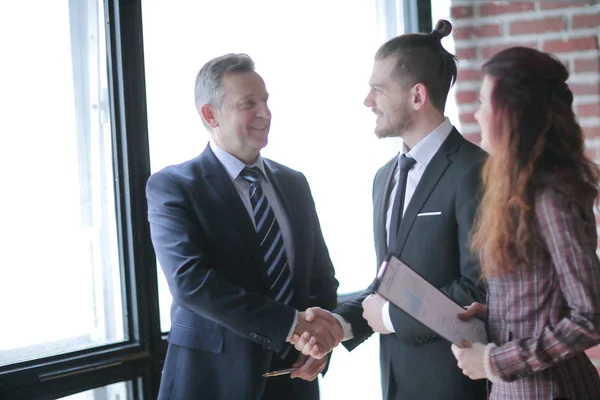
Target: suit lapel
{"x": 285, "y": 193}
{"x": 380, "y": 207}
{"x": 433, "y": 173}
{"x": 218, "y": 180}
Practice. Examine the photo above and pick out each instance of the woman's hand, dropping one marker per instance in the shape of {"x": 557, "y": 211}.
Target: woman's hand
{"x": 470, "y": 359}
{"x": 476, "y": 310}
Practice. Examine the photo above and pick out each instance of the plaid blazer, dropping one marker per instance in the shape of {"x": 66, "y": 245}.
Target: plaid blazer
{"x": 542, "y": 317}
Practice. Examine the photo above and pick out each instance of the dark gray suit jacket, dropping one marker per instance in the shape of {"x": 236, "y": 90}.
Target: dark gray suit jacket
{"x": 225, "y": 328}
{"x": 415, "y": 363}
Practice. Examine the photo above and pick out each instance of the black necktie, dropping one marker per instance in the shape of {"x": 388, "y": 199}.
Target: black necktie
{"x": 271, "y": 241}
{"x": 404, "y": 165}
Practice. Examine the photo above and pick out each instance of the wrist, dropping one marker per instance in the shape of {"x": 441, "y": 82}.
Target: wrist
{"x": 490, "y": 372}
{"x": 295, "y": 324}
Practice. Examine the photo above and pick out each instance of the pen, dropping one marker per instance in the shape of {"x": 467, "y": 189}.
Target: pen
{"x": 279, "y": 372}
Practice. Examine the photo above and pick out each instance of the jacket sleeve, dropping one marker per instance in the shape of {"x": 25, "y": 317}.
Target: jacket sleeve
{"x": 181, "y": 248}
{"x": 571, "y": 241}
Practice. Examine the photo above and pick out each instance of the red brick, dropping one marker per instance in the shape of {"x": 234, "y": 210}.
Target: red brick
{"x": 490, "y": 30}
{"x": 469, "y": 74}
{"x": 582, "y": 89}
{"x": 510, "y": 7}
{"x": 466, "y": 32}
{"x": 458, "y": 12}
{"x": 586, "y": 21}
{"x": 590, "y": 155}
{"x": 467, "y": 118}
{"x": 469, "y": 32}
{"x": 473, "y": 138}
{"x": 592, "y": 132}
{"x": 588, "y": 110}
{"x": 577, "y": 44}
{"x": 594, "y": 352}
{"x": 466, "y": 96}
{"x": 555, "y": 24}
{"x": 466, "y": 53}
{"x": 587, "y": 65}
{"x": 489, "y": 51}
{"x": 548, "y": 5}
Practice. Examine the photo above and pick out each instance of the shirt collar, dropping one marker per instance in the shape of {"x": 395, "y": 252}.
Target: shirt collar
{"x": 233, "y": 165}
{"x": 424, "y": 151}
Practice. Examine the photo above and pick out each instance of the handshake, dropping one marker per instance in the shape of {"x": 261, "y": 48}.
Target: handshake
{"x": 316, "y": 333}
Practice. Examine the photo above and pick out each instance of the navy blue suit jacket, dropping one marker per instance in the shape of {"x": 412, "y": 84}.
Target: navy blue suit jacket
{"x": 225, "y": 328}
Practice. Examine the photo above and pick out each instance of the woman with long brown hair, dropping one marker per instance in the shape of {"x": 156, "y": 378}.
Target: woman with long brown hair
{"x": 536, "y": 236}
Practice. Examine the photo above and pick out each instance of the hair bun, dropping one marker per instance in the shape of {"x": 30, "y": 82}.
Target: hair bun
{"x": 442, "y": 28}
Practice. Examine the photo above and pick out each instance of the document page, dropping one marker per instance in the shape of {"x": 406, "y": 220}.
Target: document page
{"x": 407, "y": 290}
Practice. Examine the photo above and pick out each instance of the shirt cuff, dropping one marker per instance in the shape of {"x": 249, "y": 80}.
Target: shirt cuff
{"x": 346, "y": 327}
{"x": 487, "y": 364}
{"x": 291, "y": 332}
{"x": 385, "y": 315}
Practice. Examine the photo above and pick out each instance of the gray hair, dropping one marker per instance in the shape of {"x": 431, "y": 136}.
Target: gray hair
{"x": 208, "y": 88}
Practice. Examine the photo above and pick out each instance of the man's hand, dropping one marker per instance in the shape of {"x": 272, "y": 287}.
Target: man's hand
{"x": 470, "y": 359}
{"x": 308, "y": 367}
{"x": 316, "y": 333}
{"x": 372, "y": 307}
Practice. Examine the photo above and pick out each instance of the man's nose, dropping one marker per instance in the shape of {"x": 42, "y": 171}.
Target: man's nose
{"x": 368, "y": 101}
{"x": 263, "y": 111}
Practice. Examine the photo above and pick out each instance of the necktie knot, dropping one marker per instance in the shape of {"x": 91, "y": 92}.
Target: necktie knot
{"x": 250, "y": 174}
{"x": 406, "y": 163}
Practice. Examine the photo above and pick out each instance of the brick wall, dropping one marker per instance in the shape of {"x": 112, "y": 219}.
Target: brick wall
{"x": 570, "y": 30}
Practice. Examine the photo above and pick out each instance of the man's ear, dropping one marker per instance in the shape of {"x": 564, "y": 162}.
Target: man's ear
{"x": 208, "y": 113}
{"x": 420, "y": 96}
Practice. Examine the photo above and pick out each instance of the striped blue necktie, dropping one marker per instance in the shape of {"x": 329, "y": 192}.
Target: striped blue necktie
{"x": 271, "y": 242}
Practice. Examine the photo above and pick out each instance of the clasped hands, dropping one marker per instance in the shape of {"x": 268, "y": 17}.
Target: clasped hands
{"x": 316, "y": 333}
{"x": 319, "y": 328}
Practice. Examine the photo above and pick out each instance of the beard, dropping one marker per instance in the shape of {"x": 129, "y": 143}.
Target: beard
{"x": 397, "y": 129}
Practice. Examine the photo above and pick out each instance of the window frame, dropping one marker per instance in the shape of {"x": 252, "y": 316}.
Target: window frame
{"x": 138, "y": 359}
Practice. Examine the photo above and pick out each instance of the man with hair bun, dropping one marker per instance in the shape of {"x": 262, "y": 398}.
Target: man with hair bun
{"x": 423, "y": 217}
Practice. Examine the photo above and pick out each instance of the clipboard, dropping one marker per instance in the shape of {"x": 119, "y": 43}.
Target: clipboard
{"x": 413, "y": 294}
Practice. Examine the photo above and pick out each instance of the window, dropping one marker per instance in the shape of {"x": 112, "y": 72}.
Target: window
{"x": 77, "y": 303}
{"x": 117, "y": 391}
{"x": 61, "y": 284}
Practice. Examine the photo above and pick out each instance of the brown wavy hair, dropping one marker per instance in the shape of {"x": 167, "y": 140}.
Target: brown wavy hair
{"x": 539, "y": 143}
